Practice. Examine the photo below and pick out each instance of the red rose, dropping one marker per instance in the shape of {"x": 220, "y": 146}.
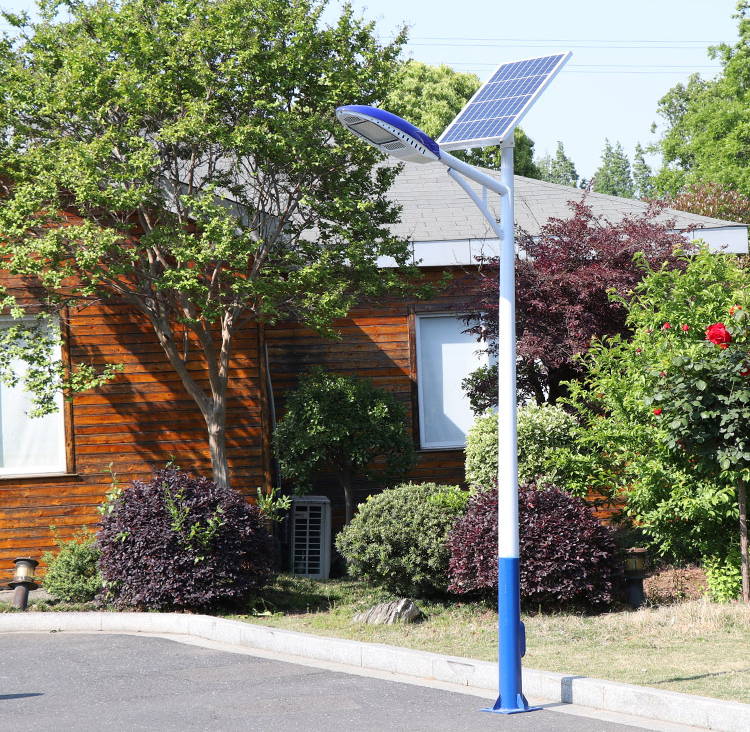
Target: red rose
{"x": 745, "y": 371}
{"x": 666, "y": 326}
{"x": 686, "y": 327}
{"x": 719, "y": 335}
{"x": 734, "y": 309}
{"x": 657, "y": 411}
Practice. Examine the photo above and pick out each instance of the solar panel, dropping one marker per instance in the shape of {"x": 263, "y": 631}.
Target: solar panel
{"x": 492, "y": 113}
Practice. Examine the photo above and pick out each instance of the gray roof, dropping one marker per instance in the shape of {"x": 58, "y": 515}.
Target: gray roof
{"x": 435, "y": 209}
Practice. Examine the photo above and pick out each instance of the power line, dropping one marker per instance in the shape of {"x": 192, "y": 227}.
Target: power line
{"x": 565, "y": 40}
{"x": 479, "y": 44}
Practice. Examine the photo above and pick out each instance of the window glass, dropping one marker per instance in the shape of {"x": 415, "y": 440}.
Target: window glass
{"x": 29, "y": 446}
{"x": 445, "y": 357}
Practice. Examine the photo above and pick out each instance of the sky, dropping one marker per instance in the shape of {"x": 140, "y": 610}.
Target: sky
{"x": 626, "y": 56}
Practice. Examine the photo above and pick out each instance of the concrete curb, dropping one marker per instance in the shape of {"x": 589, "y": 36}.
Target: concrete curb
{"x": 665, "y": 706}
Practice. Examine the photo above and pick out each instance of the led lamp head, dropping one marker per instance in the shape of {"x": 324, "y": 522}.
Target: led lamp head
{"x": 389, "y": 134}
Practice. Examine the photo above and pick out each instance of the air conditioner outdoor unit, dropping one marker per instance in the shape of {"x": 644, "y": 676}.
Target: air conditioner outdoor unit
{"x": 311, "y": 536}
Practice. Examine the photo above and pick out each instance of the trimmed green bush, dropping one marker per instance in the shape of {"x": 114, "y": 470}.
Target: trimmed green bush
{"x": 399, "y": 537}
{"x": 72, "y": 574}
{"x": 542, "y": 430}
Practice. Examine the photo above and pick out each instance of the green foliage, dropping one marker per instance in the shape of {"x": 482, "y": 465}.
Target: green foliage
{"x": 613, "y": 177}
{"x": 73, "y": 573}
{"x": 664, "y": 463}
{"x": 482, "y": 452}
{"x": 398, "y": 539}
{"x": 106, "y": 507}
{"x": 344, "y": 424}
{"x": 558, "y": 169}
{"x": 272, "y": 505}
{"x": 699, "y": 387}
{"x": 30, "y": 355}
{"x": 542, "y": 432}
{"x": 723, "y": 576}
{"x": 643, "y": 178}
{"x": 431, "y": 96}
{"x": 706, "y": 135}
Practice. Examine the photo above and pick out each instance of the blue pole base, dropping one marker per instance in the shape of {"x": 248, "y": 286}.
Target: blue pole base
{"x": 521, "y": 706}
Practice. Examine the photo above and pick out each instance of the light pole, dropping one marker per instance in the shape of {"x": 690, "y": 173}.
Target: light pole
{"x": 397, "y": 137}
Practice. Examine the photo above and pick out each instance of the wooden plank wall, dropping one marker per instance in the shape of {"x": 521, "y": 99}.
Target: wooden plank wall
{"x": 374, "y": 343}
{"x": 145, "y": 418}
{"x": 138, "y": 422}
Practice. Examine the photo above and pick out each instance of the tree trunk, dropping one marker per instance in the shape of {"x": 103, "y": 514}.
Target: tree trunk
{"x": 742, "y": 500}
{"x": 217, "y": 445}
{"x": 346, "y": 480}
{"x": 213, "y": 406}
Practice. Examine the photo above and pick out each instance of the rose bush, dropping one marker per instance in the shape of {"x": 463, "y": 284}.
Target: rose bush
{"x": 664, "y": 414}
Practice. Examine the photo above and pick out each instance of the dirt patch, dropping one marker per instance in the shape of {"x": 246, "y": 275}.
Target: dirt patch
{"x": 668, "y": 585}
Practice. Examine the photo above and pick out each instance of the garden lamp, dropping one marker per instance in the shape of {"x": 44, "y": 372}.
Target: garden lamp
{"x": 23, "y": 580}
{"x": 488, "y": 118}
{"x": 392, "y": 135}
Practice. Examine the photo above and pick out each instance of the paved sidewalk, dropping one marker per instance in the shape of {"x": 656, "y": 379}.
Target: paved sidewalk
{"x": 84, "y": 682}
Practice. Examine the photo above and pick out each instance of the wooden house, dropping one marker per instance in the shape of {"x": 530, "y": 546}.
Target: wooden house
{"x": 56, "y": 471}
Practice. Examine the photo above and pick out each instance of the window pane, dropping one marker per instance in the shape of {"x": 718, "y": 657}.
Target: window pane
{"x": 445, "y": 357}
{"x": 29, "y": 445}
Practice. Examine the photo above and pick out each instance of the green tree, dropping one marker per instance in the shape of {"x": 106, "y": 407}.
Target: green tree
{"x": 558, "y": 169}
{"x": 708, "y": 121}
{"x": 195, "y": 141}
{"x": 613, "y": 175}
{"x": 346, "y": 425}
{"x": 643, "y": 179}
{"x": 430, "y": 97}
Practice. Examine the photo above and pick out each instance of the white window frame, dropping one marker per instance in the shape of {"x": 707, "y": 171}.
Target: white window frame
{"x": 481, "y": 359}
{"x": 54, "y": 467}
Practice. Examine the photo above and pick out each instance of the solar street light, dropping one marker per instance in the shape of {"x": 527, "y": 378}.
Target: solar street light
{"x": 489, "y": 118}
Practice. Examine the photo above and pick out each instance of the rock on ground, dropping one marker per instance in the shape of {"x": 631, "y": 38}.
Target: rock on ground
{"x": 388, "y": 613}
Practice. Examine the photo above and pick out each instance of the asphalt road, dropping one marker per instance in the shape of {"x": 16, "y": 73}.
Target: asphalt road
{"x": 66, "y": 682}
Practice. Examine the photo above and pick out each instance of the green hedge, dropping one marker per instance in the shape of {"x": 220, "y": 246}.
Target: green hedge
{"x": 398, "y": 539}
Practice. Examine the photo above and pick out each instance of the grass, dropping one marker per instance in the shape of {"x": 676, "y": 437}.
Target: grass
{"x": 695, "y": 647}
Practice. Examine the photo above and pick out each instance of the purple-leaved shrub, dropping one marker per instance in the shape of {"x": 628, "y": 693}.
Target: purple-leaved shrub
{"x": 181, "y": 542}
{"x": 567, "y": 555}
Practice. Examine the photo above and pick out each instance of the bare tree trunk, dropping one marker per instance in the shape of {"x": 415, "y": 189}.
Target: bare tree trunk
{"x": 213, "y": 406}
{"x": 742, "y": 500}
{"x": 217, "y": 446}
{"x": 345, "y": 478}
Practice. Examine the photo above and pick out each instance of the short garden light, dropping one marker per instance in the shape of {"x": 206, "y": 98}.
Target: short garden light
{"x": 635, "y": 573}
{"x": 23, "y": 581}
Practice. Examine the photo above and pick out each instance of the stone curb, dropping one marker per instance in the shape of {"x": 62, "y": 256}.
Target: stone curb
{"x": 665, "y": 706}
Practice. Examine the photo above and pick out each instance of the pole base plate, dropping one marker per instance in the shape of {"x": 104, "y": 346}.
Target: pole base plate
{"x": 521, "y": 706}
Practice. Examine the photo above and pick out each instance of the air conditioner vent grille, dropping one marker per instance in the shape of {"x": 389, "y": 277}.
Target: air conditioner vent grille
{"x": 311, "y": 536}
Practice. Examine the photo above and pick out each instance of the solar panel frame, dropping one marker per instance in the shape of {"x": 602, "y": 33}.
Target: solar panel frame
{"x": 492, "y": 114}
